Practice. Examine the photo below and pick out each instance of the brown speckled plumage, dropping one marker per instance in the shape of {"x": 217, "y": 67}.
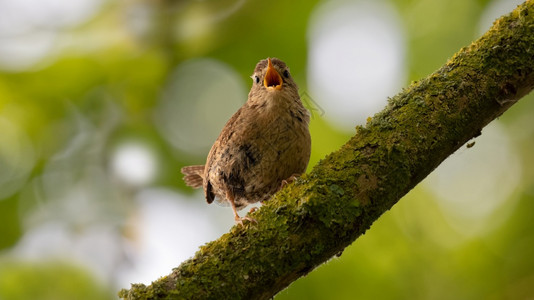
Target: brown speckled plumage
{"x": 264, "y": 143}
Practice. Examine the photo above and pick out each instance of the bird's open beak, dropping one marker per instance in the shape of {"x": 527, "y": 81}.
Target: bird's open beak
{"x": 272, "y": 79}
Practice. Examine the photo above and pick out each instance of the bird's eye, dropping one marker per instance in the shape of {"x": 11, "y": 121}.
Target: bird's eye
{"x": 286, "y": 73}
{"x": 256, "y": 79}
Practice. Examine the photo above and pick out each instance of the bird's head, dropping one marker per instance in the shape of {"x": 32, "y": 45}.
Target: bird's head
{"x": 272, "y": 75}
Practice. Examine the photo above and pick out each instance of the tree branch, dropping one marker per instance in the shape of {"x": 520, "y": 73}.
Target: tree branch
{"x": 319, "y": 215}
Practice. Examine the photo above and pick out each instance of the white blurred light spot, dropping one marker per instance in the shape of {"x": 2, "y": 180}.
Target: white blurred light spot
{"x": 202, "y": 94}
{"x": 356, "y": 59}
{"x": 474, "y": 183}
{"x": 134, "y": 163}
{"x": 19, "y": 15}
{"x": 28, "y": 28}
{"x": 494, "y": 10}
{"x": 170, "y": 228}
{"x": 23, "y": 51}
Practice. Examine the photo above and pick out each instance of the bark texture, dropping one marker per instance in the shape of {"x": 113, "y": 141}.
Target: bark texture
{"x": 320, "y": 214}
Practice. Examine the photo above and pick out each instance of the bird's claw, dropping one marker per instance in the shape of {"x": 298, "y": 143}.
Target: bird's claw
{"x": 239, "y": 220}
{"x": 288, "y": 181}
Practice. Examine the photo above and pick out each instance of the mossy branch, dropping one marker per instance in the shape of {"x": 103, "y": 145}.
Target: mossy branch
{"x": 319, "y": 215}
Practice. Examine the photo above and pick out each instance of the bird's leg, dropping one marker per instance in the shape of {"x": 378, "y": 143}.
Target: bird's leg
{"x": 289, "y": 180}
{"x": 238, "y": 219}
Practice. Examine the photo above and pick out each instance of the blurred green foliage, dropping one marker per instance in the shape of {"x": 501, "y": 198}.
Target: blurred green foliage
{"x": 84, "y": 99}
{"x": 11, "y": 230}
{"x": 48, "y": 281}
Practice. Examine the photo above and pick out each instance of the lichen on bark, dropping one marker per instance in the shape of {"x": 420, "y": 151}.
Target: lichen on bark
{"x": 323, "y": 212}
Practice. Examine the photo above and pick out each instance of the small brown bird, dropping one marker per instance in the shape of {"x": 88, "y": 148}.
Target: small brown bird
{"x": 265, "y": 144}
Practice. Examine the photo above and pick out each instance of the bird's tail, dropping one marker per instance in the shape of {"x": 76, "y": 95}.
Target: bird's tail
{"x": 193, "y": 175}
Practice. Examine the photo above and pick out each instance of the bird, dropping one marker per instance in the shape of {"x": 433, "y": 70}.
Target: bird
{"x": 263, "y": 146}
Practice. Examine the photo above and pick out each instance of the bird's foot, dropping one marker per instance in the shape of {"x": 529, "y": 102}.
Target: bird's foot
{"x": 239, "y": 220}
{"x": 289, "y": 180}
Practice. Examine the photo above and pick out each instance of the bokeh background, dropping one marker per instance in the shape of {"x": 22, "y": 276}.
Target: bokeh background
{"x": 102, "y": 102}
